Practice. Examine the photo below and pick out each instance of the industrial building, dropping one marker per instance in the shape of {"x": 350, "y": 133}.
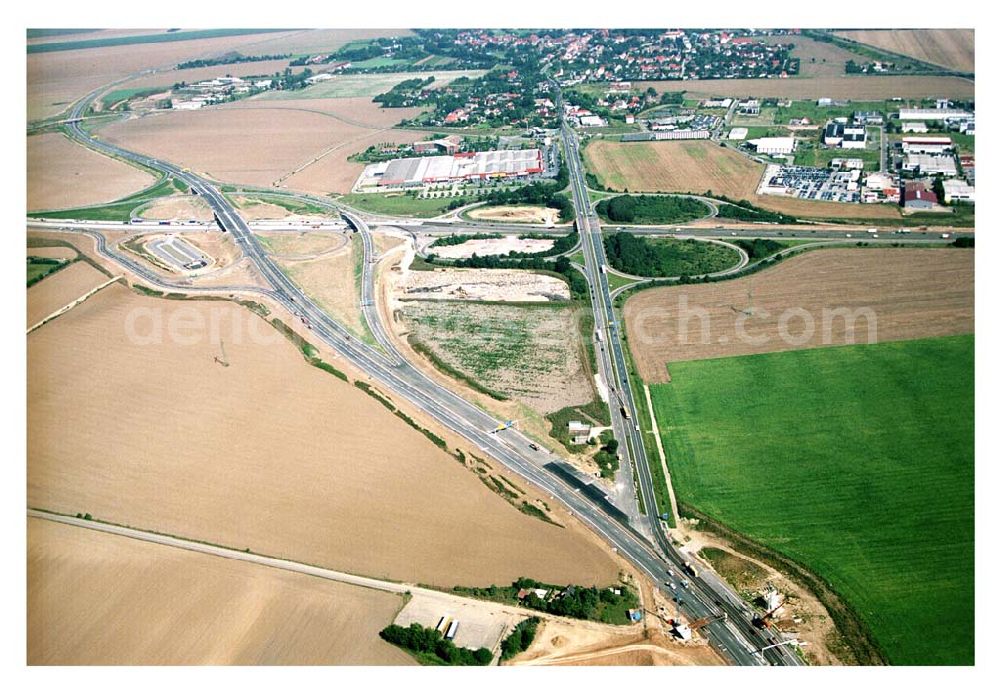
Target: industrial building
{"x": 957, "y": 190}
{"x": 409, "y": 173}
{"x": 845, "y": 135}
{"x": 917, "y": 197}
{"x": 671, "y": 135}
{"x": 929, "y": 164}
{"x": 448, "y": 145}
{"x": 774, "y": 145}
{"x": 926, "y": 144}
{"x": 927, "y": 114}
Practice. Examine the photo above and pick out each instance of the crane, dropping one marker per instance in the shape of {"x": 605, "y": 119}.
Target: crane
{"x": 765, "y": 619}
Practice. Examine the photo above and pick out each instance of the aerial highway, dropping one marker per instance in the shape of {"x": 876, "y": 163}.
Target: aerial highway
{"x": 623, "y": 408}
{"x": 731, "y": 632}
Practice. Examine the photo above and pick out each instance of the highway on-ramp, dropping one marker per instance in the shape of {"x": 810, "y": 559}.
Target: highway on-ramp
{"x": 731, "y": 632}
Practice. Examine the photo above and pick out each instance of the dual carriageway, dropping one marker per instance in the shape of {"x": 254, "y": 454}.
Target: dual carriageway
{"x": 639, "y": 538}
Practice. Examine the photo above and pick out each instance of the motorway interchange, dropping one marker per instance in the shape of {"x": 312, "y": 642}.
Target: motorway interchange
{"x": 639, "y": 538}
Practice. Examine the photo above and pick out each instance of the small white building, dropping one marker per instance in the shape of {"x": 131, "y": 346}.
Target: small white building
{"x": 579, "y": 432}
{"x": 914, "y": 127}
{"x": 738, "y": 133}
{"x": 957, "y": 190}
{"x": 774, "y": 145}
{"x": 591, "y": 121}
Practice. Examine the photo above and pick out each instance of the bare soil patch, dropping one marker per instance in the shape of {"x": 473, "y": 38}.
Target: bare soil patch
{"x": 954, "y": 48}
{"x": 63, "y": 174}
{"x": 268, "y": 453}
{"x": 481, "y": 285}
{"x": 575, "y": 643}
{"x": 701, "y": 166}
{"x": 908, "y": 293}
{"x": 859, "y": 88}
{"x": 55, "y": 291}
{"x": 528, "y": 214}
{"x": 102, "y": 599}
{"x": 492, "y": 247}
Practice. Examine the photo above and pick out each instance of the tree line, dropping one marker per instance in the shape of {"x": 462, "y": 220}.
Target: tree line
{"x": 432, "y": 648}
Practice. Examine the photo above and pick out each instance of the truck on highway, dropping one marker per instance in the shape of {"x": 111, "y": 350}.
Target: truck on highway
{"x": 600, "y": 336}
{"x": 690, "y": 568}
{"x": 625, "y": 413}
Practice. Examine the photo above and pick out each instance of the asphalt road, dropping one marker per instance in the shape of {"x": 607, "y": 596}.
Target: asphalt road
{"x": 735, "y": 637}
{"x": 728, "y": 635}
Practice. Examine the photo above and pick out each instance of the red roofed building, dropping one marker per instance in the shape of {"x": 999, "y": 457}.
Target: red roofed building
{"x": 916, "y": 196}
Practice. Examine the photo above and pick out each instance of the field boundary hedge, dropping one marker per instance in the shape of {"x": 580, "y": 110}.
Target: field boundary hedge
{"x": 864, "y": 649}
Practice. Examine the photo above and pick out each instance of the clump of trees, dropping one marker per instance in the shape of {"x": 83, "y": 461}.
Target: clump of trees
{"x": 759, "y": 248}
{"x": 432, "y": 648}
{"x": 665, "y": 258}
{"x": 651, "y": 209}
{"x": 607, "y": 457}
{"x": 520, "y": 638}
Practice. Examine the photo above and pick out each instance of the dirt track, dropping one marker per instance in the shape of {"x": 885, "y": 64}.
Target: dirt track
{"x": 910, "y": 292}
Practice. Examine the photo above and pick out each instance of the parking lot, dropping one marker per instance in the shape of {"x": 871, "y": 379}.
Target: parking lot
{"x": 479, "y": 625}
{"x": 812, "y": 183}
{"x": 178, "y": 253}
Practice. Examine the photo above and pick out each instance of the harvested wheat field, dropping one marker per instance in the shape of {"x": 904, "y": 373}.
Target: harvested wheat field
{"x": 62, "y": 174}
{"x": 315, "y": 40}
{"x": 816, "y": 58}
{"x": 56, "y": 79}
{"x": 63, "y": 252}
{"x": 529, "y": 214}
{"x": 891, "y": 294}
{"x": 244, "y": 146}
{"x": 571, "y": 642}
{"x": 857, "y": 88}
{"x": 267, "y": 453}
{"x": 55, "y": 291}
{"x": 333, "y": 172}
{"x": 180, "y": 208}
{"x": 358, "y": 111}
{"x": 953, "y": 48}
{"x": 701, "y": 166}
{"x": 101, "y": 599}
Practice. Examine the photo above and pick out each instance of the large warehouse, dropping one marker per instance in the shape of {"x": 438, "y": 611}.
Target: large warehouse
{"x": 407, "y": 173}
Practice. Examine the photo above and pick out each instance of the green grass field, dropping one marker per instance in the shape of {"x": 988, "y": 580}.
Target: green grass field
{"x": 855, "y": 461}
{"x": 398, "y": 204}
